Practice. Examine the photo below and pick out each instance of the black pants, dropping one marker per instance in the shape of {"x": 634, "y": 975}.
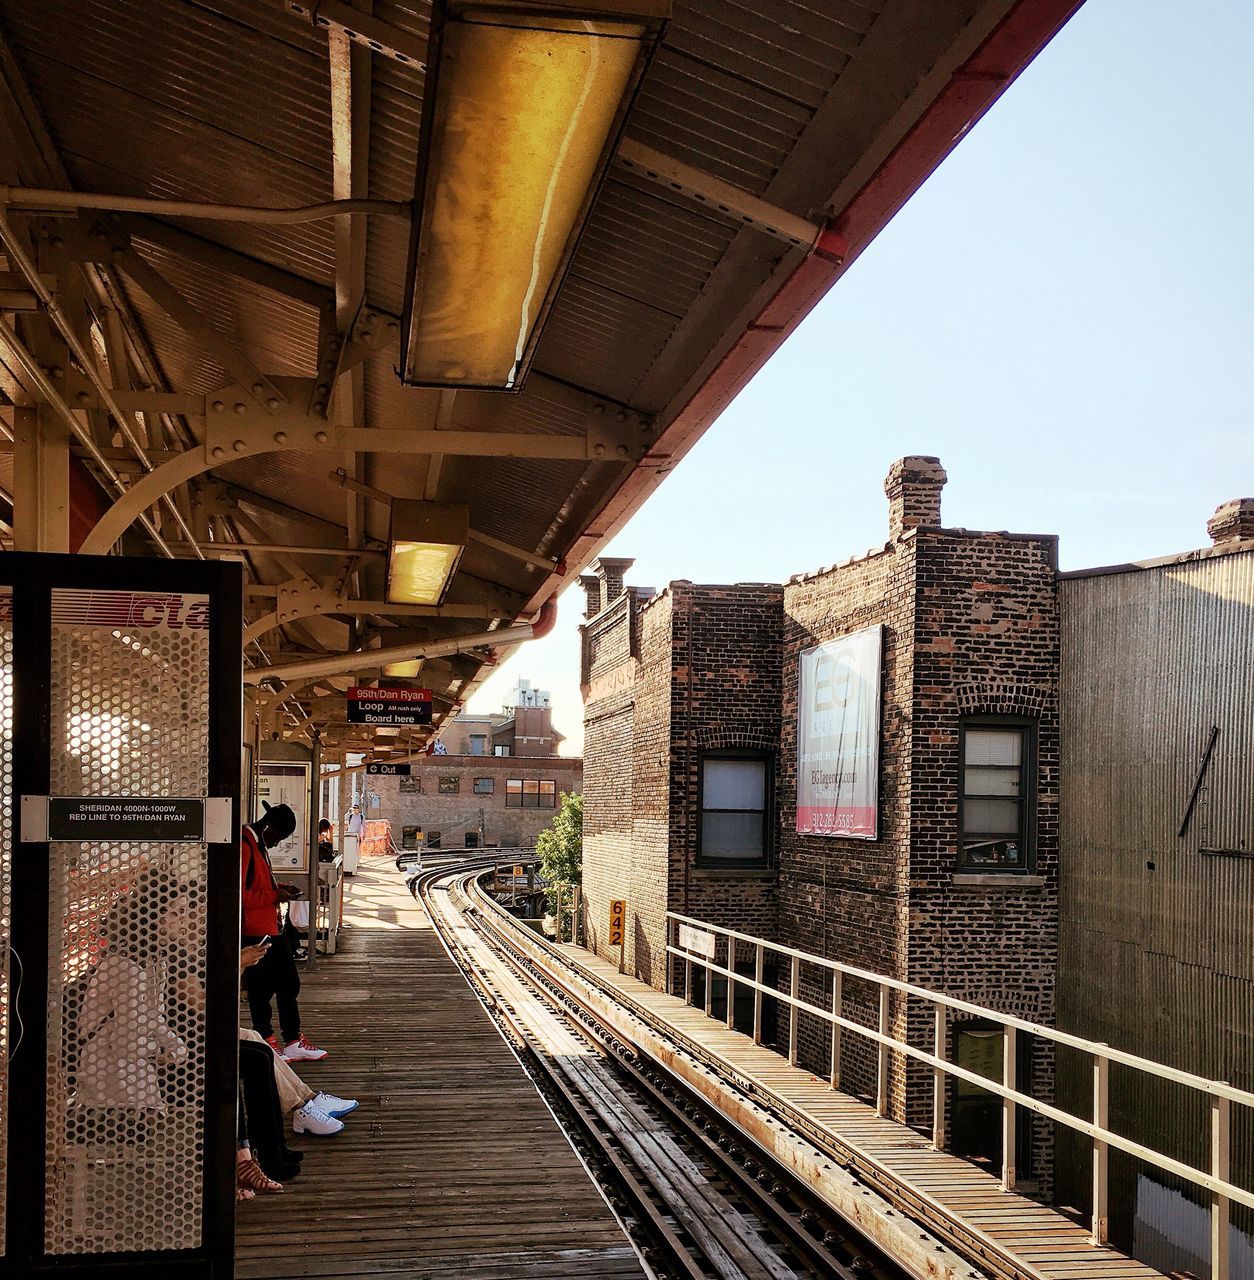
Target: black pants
{"x": 262, "y": 1112}
{"x": 274, "y": 976}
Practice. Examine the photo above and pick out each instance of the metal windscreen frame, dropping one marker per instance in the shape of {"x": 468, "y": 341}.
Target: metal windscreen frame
{"x": 208, "y": 1249}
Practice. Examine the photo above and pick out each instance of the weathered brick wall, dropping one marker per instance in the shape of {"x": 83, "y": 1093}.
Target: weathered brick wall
{"x": 418, "y": 800}
{"x": 610, "y": 669}
{"x": 724, "y": 695}
{"x": 987, "y": 643}
{"x": 839, "y": 897}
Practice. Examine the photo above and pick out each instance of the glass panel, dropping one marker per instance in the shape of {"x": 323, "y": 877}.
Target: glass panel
{"x": 731, "y": 835}
{"x": 477, "y": 743}
{"x": 483, "y": 786}
{"x": 734, "y": 784}
{"x": 126, "y": 1055}
{"x": 990, "y": 817}
{"x": 994, "y": 746}
{"x": 985, "y": 852}
{"x": 991, "y": 782}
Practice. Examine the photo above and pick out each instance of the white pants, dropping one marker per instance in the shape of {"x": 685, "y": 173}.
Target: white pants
{"x": 293, "y": 1092}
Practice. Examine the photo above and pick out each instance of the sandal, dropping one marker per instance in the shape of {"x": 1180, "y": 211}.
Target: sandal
{"x": 250, "y": 1175}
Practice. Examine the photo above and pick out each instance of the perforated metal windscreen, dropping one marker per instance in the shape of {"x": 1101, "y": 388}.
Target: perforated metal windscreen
{"x": 126, "y": 1040}
{"x": 6, "y": 884}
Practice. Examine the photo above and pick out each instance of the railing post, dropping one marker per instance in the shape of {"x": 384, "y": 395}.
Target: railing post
{"x": 838, "y": 979}
{"x": 794, "y": 986}
{"x": 710, "y": 962}
{"x": 1220, "y": 1205}
{"x": 759, "y": 968}
{"x": 940, "y": 1049}
{"x": 881, "y": 1071}
{"x": 1101, "y": 1151}
{"x": 1009, "y": 1108}
{"x": 731, "y": 983}
{"x": 670, "y": 959}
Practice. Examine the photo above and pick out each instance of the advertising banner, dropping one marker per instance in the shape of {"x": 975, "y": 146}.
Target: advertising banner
{"x": 838, "y": 737}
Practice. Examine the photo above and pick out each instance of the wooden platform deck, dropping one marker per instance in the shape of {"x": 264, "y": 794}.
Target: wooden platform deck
{"x": 1043, "y": 1243}
{"x": 453, "y": 1165}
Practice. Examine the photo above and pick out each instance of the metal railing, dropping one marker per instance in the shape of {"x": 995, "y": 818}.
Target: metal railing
{"x": 695, "y": 943}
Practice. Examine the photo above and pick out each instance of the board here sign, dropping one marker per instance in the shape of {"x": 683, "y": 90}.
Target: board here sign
{"x": 389, "y": 706}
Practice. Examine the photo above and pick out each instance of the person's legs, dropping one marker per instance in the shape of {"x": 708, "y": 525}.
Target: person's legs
{"x": 260, "y": 984}
{"x": 265, "y": 1117}
{"x": 286, "y": 988}
{"x": 293, "y": 1091}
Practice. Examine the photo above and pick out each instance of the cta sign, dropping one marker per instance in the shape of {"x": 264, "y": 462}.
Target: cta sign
{"x": 377, "y": 769}
{"x": 389, "y": 706}
{"x": 838, "y": 737}
{"x": 125, "y": 818}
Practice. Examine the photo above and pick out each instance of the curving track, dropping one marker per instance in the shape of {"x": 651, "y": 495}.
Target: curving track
{"x": 694, "y": 1197}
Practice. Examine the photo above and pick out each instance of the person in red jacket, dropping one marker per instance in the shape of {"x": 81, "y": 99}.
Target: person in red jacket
{"x": 274, "y": 976}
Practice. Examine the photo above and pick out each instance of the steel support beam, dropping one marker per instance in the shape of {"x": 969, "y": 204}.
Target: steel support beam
{"x": 714, "y": 193}
{"x": 41, "y": 474}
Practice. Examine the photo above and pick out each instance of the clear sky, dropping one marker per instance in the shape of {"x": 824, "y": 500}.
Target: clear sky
{"x": 1062, "y": 314}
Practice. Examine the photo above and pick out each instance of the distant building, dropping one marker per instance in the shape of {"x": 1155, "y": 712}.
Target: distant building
{"x": 524, "y": 727}
{"x": 451, "y": 802}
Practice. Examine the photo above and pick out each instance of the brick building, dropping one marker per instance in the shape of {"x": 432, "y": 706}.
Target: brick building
{"x": 476, "y": 801}
{"x": 523, "y": 727}
{"x": 696, "y": 689}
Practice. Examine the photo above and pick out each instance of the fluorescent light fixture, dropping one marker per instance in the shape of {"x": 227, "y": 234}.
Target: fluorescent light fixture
{"x": 426, "y": 545}
{"x": 523, "y": 107}
{"x": 406, "y": 670}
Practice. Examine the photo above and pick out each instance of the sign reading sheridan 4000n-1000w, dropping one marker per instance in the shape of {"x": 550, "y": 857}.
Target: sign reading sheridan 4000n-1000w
{"x": 392, "y": 705}
{"x": 838, "y": 737}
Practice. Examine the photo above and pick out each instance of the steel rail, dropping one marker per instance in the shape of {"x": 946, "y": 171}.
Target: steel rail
{"x": 50, "y": 200}
{"x": 766, "y": 1191}
{"x": 970, "y": 1240}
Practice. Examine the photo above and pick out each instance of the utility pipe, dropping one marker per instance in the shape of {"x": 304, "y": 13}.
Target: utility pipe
{"x": 368, "y": 659}
{"x": 49, "y": 200}
{"x": 18, "y": 256}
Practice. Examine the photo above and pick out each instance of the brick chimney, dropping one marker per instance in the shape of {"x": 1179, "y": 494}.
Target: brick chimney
{"x": 913, "y": 486}
{"x": 592, "y": 588}
{"x": 1232, "y": 521}
{"x": 611, "y": 570}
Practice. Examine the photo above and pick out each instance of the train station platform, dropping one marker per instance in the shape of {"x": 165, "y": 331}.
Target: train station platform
{"x": 1010, "y": 1234}
{"x": 453, "y": 1165}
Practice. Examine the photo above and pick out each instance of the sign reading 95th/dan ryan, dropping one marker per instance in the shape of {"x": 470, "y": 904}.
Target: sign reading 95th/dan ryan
{"x": 838, "y": 737}
{"x": 389, "y": 706}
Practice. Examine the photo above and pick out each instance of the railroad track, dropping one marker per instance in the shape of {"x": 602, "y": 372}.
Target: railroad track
{"x": 696, "y": 1197}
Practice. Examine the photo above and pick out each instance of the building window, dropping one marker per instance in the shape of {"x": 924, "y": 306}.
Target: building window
{"x": 530, "y": 793}
{"x": 996, "y": 794}
{"x": 450, "y": 785}
{"x": 478, "y": 744}
{"x": 484, "y": 786}
{"x": 734, "y": 804}
{"x": 500, "y": 749}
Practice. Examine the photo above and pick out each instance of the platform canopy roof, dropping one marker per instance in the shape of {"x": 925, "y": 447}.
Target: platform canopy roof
{"x": 252, "y": 359}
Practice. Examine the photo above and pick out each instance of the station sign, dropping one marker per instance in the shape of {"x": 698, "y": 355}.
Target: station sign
{"x": 122, "y": 818}
{"x": 386, "y": 705}
{"x": 618, "y": 910}
{"x": 379, "y": 769}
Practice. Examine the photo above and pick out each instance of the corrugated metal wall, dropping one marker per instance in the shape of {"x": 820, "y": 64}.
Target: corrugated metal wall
{"x": 1157, "y": 930}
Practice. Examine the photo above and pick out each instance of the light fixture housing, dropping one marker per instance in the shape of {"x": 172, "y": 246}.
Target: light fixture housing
{"x": 424, "y": 550}
{"x": 523, "y": 108}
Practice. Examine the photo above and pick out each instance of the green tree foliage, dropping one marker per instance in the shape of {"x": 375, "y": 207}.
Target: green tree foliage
{"x": 560, "y": 845}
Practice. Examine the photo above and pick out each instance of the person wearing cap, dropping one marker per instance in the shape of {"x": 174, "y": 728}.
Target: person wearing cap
{"x": 274, "y": 976}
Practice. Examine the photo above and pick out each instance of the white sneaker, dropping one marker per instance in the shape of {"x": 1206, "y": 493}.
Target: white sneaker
{"x": 302, "y": 1051}
{"x": 333, "y": 1106}
{"x": 312, "y": 1119}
